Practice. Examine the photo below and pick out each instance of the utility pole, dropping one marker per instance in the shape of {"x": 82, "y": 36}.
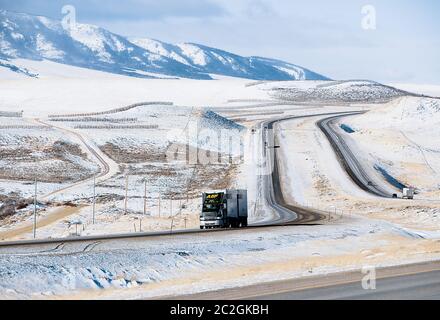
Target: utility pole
{"x": 126, "y": 194}
{"x": 94, "y": 199}
{"x": 35, "y": 210}
{"x": 171, "y": 206}
{"x": 159, "y": 205}
{"x": 145, "y": 196}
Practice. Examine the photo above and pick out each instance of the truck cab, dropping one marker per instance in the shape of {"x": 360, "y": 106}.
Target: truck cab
{"x": 223, "y": 209}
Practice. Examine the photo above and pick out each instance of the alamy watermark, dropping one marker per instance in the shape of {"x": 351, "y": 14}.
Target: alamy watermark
{"x": 369, "y": 279}
{"x": 69, "y": 17}
{"x": 369, "y": 17}
{"x": 196, "y": 145}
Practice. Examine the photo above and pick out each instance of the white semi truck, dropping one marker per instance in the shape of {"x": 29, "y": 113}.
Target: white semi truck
{"x": 224, "y": 209}
{"x": 408, "y": 193}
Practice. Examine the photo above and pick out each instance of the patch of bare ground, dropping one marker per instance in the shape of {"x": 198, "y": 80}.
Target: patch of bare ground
{"x": 213, "y": 177}
{"x": 13, "y": 218}
{"x": 54, "y": 162}
{"x": 139, "y": 154}
{"x": 322, "y": 184}
{"x": 189, "y": 180}
{"x": 156, "y": 164}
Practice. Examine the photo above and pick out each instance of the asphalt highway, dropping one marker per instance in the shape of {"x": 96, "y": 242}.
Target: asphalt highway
{"x": 419, "y": 281}
{"x": 403, "y": 282}
{"x": 348, "y": 160}
{"x": 287, "y": 214}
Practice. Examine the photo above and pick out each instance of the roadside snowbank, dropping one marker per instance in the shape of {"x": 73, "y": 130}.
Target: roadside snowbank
{"x": 186, "y": 264}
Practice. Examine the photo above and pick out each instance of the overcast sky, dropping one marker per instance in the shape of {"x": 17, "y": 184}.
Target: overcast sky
{"x": 325, "y": 36}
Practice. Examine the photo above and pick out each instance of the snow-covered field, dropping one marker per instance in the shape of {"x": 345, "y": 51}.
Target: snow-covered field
{"x": 144, "y": 165}
{"x": 312, "y": 175}
{"x": 31, "y": 151}
{"x": 81, "y": 90}
{"x": 373, "y": 231}
{"x": 138, "y": 153}
{"x": 425, "y": 89}
{"x": 185, "y": 264}
{"x": 402, "y": 138}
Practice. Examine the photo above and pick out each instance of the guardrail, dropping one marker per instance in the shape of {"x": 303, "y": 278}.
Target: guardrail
{"x": 11, "y": 114}
{"x": 110, "y": 126}
{"x": 94, "y": 119}
{"x": 112, "y": 111}
{"x": 18, "y": 126}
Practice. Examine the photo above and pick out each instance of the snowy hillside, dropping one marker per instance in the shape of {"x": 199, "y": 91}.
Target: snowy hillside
{"x": 332, "y": 91}
{"x": 401, "y": 138}
{"x": 409, "y": 115}
{"x": 39, "y": 38}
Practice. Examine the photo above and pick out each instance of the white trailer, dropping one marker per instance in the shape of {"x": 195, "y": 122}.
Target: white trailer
{"x": 408, "y": 193}
{"x": 224, "y": 209}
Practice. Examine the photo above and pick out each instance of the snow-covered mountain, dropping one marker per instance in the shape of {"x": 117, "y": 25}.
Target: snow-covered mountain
{"x": 40, "y": 38}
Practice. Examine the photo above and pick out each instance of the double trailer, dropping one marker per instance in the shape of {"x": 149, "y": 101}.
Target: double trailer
{"x": 224, "y": 209}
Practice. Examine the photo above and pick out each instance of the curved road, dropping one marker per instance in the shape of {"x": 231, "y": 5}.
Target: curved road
{"x": 292, "y": 214}
{"x": 287, "y": 214}
{"x": 105, "y": 167}
{"x": 399, "y": 282}
{"x": 348, "y": 160}
{"x": 105, "y": 173}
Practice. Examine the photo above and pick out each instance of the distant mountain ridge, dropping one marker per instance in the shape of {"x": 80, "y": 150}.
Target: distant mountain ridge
{"x": 88, "y": 46}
